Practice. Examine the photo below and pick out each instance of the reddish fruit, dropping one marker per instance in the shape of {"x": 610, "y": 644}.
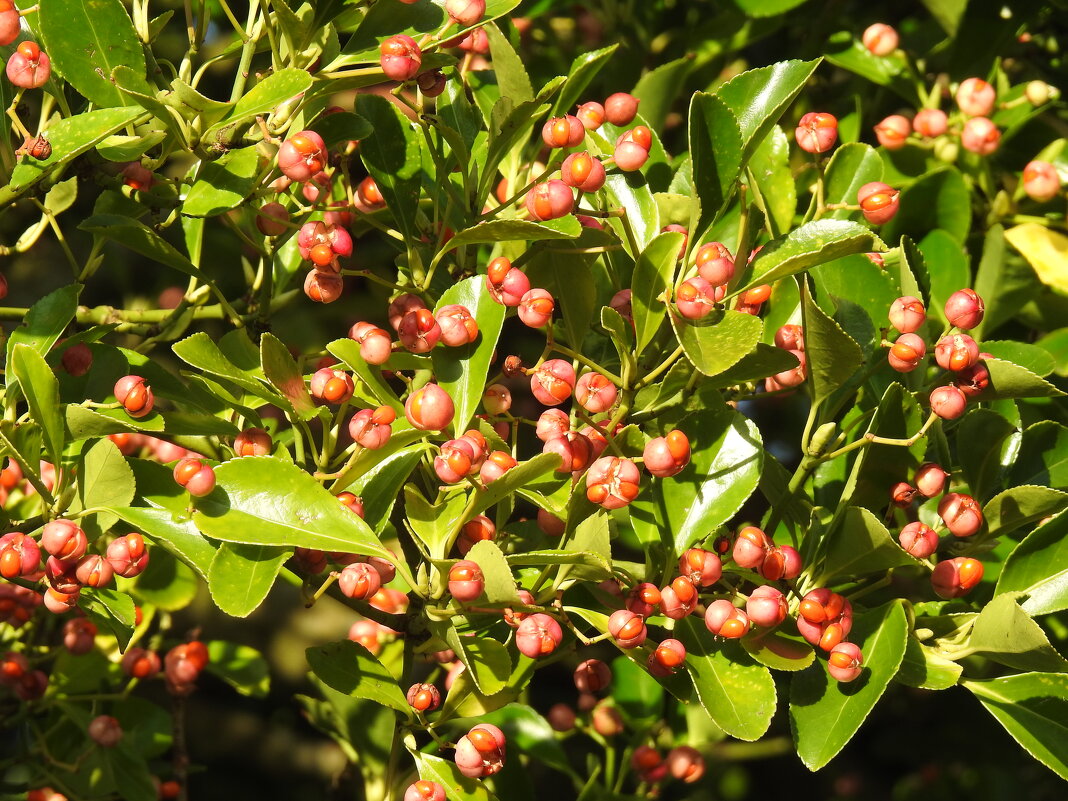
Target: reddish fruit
{"x": 79, "y": 636}
{"x": 429, "y": 408}
{"x": 94, "y": 571}
{"x": 359, "y": 581}
{"x": 702, "y": 567}
{"x": 880, "y": 39}
{"x": 902, "y": 494}
{"x": 401, "y": 305}
{"x": 323, "y": 245}
{"x": 536, "y": 308}
{"x": 1041, "y": 181}
{"x": 29, "y": 67}
{"x": 816, "y": 132}
{"x": 686, "y": 764}
{"x": 77, "y": 359}
{"x": 58, "y": 602}
{"x": 643, "y": 599}
{"x": 627, "y": 628}
{"x": 10, "y": 23}
{"x": 879, "y": 202}
{"x": 592, "y": 676}
{"x": 423, "y": 697}
{"x": 561, "y": 717}
{"x": 975, "y": 97}
{"x": 128, "y": 555}
{"x": 432, "y": 82}
{"x": 496, "y": 465}
{"x": 457, "y": 325}
{"x": 375, "y": 343}
{"x": 553, "y": 382}
{"x": 372, "y": 428}
{"x": 595, "y": 393}
{"x": 974, "y": 380}
{"x": 138, "y": 663}
{"x": 948, "y": 402}
{"x": 64, "y": 540}
{"x": 400, "y": 57}
{"x": 667, "y": 456}
{"x": 105, "y": 731}
{"x": 566, "y": 131}
{"x": 331, "y": 386}
{"x": 750, "y": 547}
{"x": 424, "y": 791}
{"x": 781, "y": 562}
{"x": 323, "y": 287}
{"x": 918, "y": 539}
{"x": 538, "y": 635}
{"x": 679, "y": 598}
{"x": 465, "y": 12}
{"x": 723, "y": 619}
{"x": 549, "y": 200}
{"x": 965, "y": 309}
{"x": 621, "y": 108}
{"x": 453, "y": 462}
{"x": 550, "y": 524}
{"x": 953, "y": 578}
{"x": 612, "y": 482}
{"x": 893, "y": 132}
{"x": 575, "y": 451}
{"x": 196, "y": 476}
{"x": 844, "y": 661}
{"x": 930, "y": 479}
{"x": 497, "y": 399}
{"x": 906, "y": 353}
{"x": 253, "y": 442}
{"x": 766, "y": 606}
{"x": 552, "y": 423}
{"x": 369, "y": 194}
{"x": 961, "y": 513}
{"x": 629, "y": 155}
{"x": 506, "y": 284}
{"x": 19, "y": 555}
{"x": 980, "y": 135}
{"x": 667, "y": 658}
{"x": 135, "y": 395}
{"x": 956, "y": 352}
{"x": 790, "y": 337}
{"x": 583, "y": 172}
{"x": 272, "y": 219}
{"x": 591, "y": 115}
{"x": 481, "y": 751}
{"x": 696, "y": 297}
{"x": 907, "y": 314}
{"x": 930, "y": 122}
{"x": 465, "y": 580}
{"x": 302, "y": 156}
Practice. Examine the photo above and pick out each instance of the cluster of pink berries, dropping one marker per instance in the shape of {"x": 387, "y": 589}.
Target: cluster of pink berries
{"x": 956, "y": 352}
{"x": 790, "y": 338}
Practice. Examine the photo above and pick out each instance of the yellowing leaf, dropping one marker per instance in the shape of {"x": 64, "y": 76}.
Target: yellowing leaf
{"x": 1046, "y": 250}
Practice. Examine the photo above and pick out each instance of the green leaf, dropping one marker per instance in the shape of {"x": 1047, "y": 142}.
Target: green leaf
{"x": 487, "y": 660}
{"x": 349, "y": 353}
{"x": 1008, "y": 380}
{"x": 859, "y": 545}
{"x": 568, "y": 277}
{"x": 949, "y": 270}
{"x": 135, "y": 85}
{"x": 1031, "y": 708}
{"x": 166, "y": 583}
{"x": 987, "y": 443}
{"x": 493, "y": 231}
{"x": 634, "y": 690}
{"x": 380, "y": 484}
{"x": 758, "y": 97}
{"x": 520, "y": 475}
{"x": 1043, "y": 456}
{"x": 341, "y": 127}
{"x": 463, "y": 371}
{"x": 532, "y": 734}
{"x": 192, "y": 105}
{"x": 631, "y": 192}
{"x": 1032, "y": 357}
{"x": 1018, "y": 506}
{"x": 939, "y": 199}
{"x": 350, "y": 668}
{"x": 240, "y": 666}
{"x": 264, "y": 97}
{"x": 69, "y": 137}
{"x": 718, "y": 341}
{"x": 282, "y": 371}
{"x": 202, "y": 352}
{"x": 500, "y": 584}
{"x": 833, "y": 357}
{"x": 241, "y": 576}
{"x": 41, "y": 390}
{"x": 434, "y": 525}
{"x": 44, "y": 323}
{"x": 846, "y": 51}
{"x": 583, "y": 70}
{"x": 87, "y": 40}
{"x": 1038, "y": 566}
{"x": 393, "y": 156}
{"x": 174, "y": 532}
{"x": 260, "y": 500}
{"x": 770, "y": 168}
{"x": 716, "y": 143}
{"x": 767, "y": 8}
{"x": 724, "y": 470}
{"x": 658, "y": 88}
{"x": 813, "y": 243}
{"x": 852, "y": 165}
{"x": 457, "y": 786}
{"x": 139, "y": 238}
{"x": 736, "y": 692}
{"x": 1056, "y": 344}
{"x": 650, "y": 285}
{"x": 112, "y": 611}
{"x": 511, "y": 75}
{"x": 777, "y": 650}
{"x": 760, "y": 363}
{"x": 223, "y": 184}
{"x": 106, "y": 480}
{"x": 824, "y": 713}
{"x": 1006, "y": 633}
{"x": 924, "y": 667}
{"x": 913, "y": 275}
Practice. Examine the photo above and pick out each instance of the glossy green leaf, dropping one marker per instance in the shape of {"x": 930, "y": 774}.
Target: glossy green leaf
{"x": 348, "y": 351}
{"x": 852, "y": 165}
{"x": 650, "y": 285}
{"x": 435, "y": 524}
{"x": 166, "y": 583}
{"x": 523, "y": 473}
{"x": 857, "y": 280}
{"x": 282, "y": 371}
{"x": 500, "y": 584}
{"x": 1056, "y": 344}
{"x": 658, "y": 88}
{"x": 105, "y": 480}
{"x": 770, "y": 168}
{"x": 202, "y": 352}
{"x": 833, "y": 357}
{"x": 493, "y": 231}
{"x": 758, "y": 97}
{"x": 464, "y": 371}
{"x": 486, "y": 659}
{"x": 630, "y": 191}
{"x": 69, "y": 137}
{"x": 265, "y": 97}
{"x": 193, "y": 105}
{"x": 584, "y": 69}
{"x": 947, "y": 264}
{"x": 847, "y": 51}
{"x": 1038, "y": 566}
{"x": 1031, "y": 708}
{"x": 777, "y": 650}
{"x": 813, "y": 243}
{"x": 223, "y": 184}
{"x": 924, "y": 667}
{"x": 260, "y": 500}
{"x": 1032, "y": 357}
{"x": 719, "y": 341}
{"x": 634, "y": 690}
{"x": 139, "y": 238}
{"x": 939, "y": 199}
{"x": 723, "y": 472}
{"x": 350, "y": 668}
{"x": 340, "y": 127}
{"x": 511, "y": 75}
{"x": 393, "y": 156}
{"x": 825, "y": 713}
{"x": 112, "y": 611}
{"x": 240, "y": 666}
{"x": 1008, "y": 380}
{"x": 1015, "y": 507}
{"x": 457, "y": 786}
{"x": 1043, "y": 456}
{"x": 174, "y": 532}
{"x": 736, "y": 692}
{"x": 43, "y": 324}
{"x": 767, "y": 8}
{"x": 716, "y": 144}
{"x": 41, "y": 390}
{"x": 381, "y": 483}
{"x": 986, "y": 444}
{"x": 1004, "y": 283}
{"x": 1006, "y": 634}
{"x": 87, "y": 39}
{"x": 764, "y": 361}
{"x": 859, "y": 545}
{"x": 568, "y": 277}
{"x": 241, "y": 576}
